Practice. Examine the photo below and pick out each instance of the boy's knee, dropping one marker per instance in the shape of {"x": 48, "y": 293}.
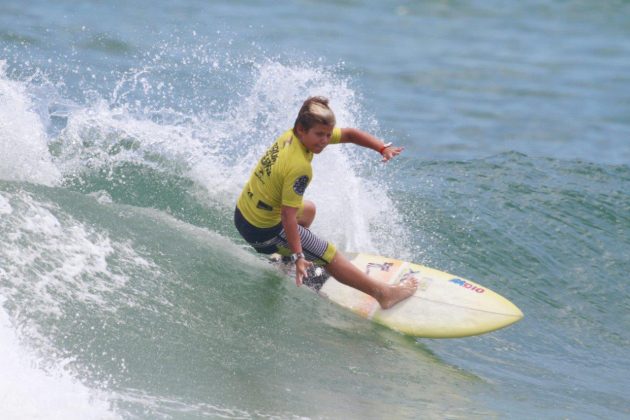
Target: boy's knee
{"x": 307, "y": 213}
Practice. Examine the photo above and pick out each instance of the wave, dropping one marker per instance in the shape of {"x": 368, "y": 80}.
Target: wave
{"x": 116, "y": 222}
{"x": 122, "y": 272}
{"x": 115, "y": 295}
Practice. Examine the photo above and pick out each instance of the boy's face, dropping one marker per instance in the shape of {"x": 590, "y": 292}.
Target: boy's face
{"x": 317, "y": 138}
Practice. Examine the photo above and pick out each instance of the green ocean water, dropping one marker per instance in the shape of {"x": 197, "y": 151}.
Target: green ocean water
{"x": 172, "y": 319}
{"x": 125, "y": 291}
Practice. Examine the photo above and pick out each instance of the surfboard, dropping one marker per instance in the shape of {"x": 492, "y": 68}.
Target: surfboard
{"x": 444, "y": 306}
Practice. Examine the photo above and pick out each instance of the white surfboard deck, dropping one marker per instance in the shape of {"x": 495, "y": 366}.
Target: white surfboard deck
{"x": 444, "y": 306}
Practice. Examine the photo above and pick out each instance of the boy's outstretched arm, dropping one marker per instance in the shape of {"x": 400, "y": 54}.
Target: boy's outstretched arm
{"x": 361, "y": 138}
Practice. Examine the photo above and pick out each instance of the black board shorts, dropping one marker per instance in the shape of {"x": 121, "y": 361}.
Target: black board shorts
{"x": 274, "y": 240}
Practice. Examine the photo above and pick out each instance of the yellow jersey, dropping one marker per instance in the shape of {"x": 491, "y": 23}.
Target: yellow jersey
{"x": 279, "y": 179}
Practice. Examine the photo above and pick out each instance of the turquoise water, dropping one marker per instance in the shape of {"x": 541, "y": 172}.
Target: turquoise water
{"x": 127, "y": 130}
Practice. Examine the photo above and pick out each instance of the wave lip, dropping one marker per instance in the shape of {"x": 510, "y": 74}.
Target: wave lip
{"x": 23, "y": 141}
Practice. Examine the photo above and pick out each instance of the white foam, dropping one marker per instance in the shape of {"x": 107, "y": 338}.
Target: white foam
{"x": 54, "y": 258}
{"x": 23, "y": 140}
{"x": 49, "y": 261}
{"x": 29, "y": 392}
{"x": 100, "y": 136}
{"x": 5, "y": 206}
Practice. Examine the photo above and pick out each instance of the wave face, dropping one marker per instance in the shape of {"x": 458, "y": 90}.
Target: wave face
{"x": 125, "y": 292}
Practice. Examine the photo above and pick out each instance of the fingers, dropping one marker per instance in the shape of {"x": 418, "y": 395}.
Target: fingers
{"x": 301, "y": 266}
{"x": 390, "y": 152}
{"x": 299, "y": 275}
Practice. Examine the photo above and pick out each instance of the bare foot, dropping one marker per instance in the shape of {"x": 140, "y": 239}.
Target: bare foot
{"x": 397, "y": 292}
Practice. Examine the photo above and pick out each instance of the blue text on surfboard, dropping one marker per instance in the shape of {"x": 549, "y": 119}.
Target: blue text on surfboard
{"x": 467, "y": 285}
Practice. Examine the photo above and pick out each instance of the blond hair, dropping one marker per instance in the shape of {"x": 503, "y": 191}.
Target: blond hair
{"x": 315, "y": 110}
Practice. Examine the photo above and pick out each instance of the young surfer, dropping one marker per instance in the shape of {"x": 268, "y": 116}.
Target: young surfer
{"x": 272, "y": 216}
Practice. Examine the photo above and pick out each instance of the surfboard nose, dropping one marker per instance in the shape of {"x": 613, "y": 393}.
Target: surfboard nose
{"x": 516, "y": 312}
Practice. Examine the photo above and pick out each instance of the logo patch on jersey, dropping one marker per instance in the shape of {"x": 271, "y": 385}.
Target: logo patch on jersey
{"x": 300, "y": 184}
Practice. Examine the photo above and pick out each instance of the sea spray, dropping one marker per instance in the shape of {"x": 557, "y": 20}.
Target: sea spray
{"x": 23, "y": 140}
{"x": 32, "y": 388}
